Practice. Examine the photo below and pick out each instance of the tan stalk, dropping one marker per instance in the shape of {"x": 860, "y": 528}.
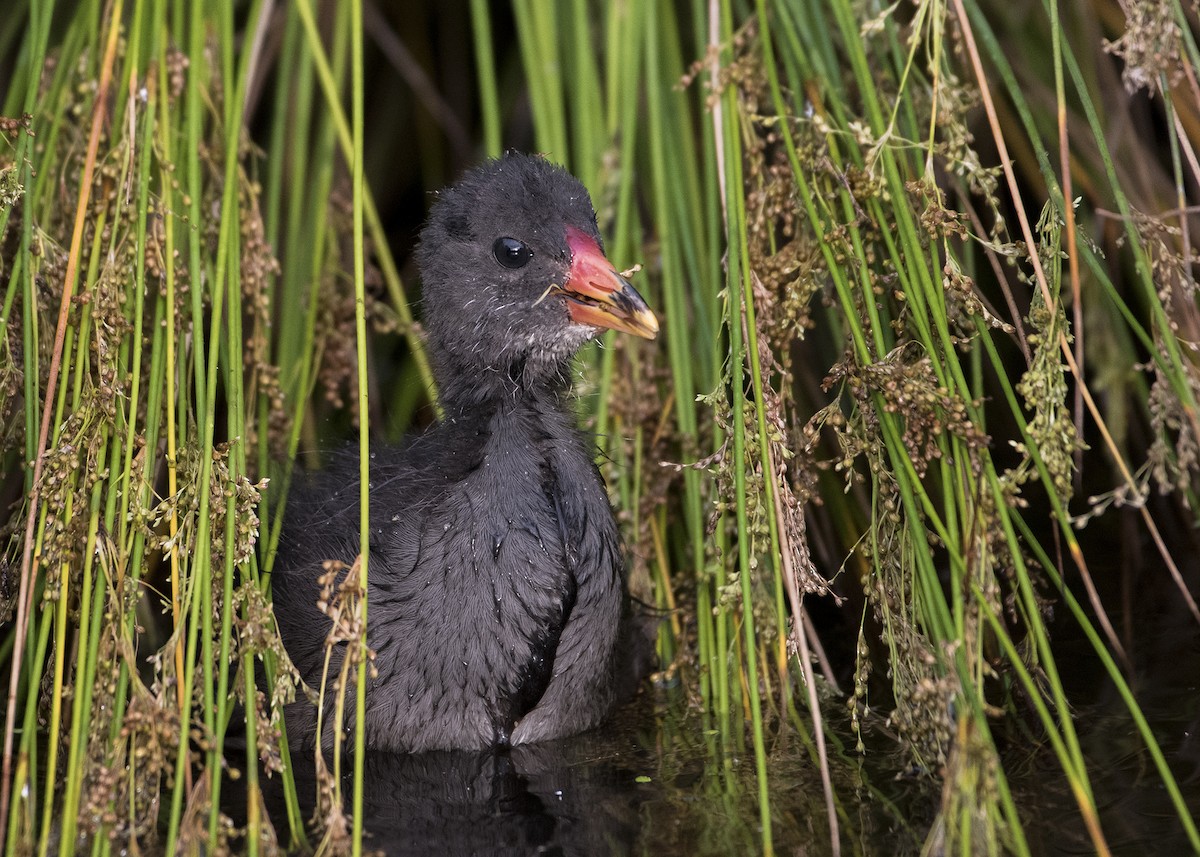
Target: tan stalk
{"x": 800, "y": 637}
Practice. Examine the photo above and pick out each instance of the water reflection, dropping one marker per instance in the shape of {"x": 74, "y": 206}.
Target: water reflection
{"x": 550, "y": 799}
{"x": 1137, "y": 813}
{"x": 658, "y": 781}
{"x": 527, "y": 801}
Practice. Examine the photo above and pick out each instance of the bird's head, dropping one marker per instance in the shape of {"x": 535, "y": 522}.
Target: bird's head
{"x": 514, "y": 275}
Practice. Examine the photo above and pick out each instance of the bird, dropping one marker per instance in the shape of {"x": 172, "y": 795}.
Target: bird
{"x": 498, "y": 610}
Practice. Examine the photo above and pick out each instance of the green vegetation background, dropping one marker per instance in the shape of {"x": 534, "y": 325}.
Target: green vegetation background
{"x": 926, "y": 278}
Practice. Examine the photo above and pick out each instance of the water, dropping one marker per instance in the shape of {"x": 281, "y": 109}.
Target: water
{"x": 650, "y": 782}
{"x": 654, "y": 782}
{"x": 1136, "y": 812}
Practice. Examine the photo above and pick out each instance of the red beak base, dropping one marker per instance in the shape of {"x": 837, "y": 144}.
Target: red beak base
{"x": 598, "y": 296}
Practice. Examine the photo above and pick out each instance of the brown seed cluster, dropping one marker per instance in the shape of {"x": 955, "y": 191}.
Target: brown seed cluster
{"x": 11, "y": 126}
{"x": 1044, "y": 390}
{"x": 126, "y": 789}
{"x": 343, "y": 600}
{"x": 910, "y": 388}
{"x": 337, "y": 372}
{"x": 1174, "y": 455}
{"x": 69, "y": 473}
{"x": 1173, "y": 458}
{"x": 259, "y": 273}
{"x": 1152, "y": 45}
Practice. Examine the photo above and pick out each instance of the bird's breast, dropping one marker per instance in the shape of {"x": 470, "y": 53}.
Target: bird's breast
{"x": 479, "y": 583}
{"x": 487, "y": 581}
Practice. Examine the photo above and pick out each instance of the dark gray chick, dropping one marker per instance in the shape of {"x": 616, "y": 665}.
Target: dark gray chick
{"x": 497, "y": 605}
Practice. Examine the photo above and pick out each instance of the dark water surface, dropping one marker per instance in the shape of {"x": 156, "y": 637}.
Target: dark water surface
{"x": 654, "y": 782}
{"x": 1135, "y": 809}
{"x": 651, "y": 781}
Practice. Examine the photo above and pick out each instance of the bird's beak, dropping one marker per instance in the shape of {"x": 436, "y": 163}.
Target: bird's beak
{"x": 597, "y": 295}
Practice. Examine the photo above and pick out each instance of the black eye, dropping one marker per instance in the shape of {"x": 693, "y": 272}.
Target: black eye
{"x": 511, "y": 253}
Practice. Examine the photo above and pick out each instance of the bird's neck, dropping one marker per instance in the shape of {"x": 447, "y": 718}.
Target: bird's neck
{"x": 500, "y": 413}
{"x": 475, "y": 388}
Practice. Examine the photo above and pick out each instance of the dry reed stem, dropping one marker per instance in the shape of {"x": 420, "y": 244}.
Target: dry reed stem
{"x": 799, "y": 634}
{"x": 718, "y": 114}
{"x": 1064, "y": 157}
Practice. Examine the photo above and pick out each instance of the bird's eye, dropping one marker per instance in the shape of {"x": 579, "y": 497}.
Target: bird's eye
{"x": 511, "y": 253}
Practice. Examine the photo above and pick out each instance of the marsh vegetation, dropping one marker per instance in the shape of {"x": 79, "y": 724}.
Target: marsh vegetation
{"x": 928, "y": 365}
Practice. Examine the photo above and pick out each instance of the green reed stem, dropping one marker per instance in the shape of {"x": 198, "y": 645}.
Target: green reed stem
{"x": 358, "y": 185}
{"x": 485, "y": 70}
